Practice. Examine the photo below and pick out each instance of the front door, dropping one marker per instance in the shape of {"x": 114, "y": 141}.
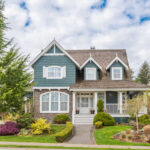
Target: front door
{"x": 84, "y": 107}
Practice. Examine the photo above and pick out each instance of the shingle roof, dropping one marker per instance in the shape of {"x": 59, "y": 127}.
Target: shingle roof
{"x": 102, "y": 57}
{"x": 108, "y": 84}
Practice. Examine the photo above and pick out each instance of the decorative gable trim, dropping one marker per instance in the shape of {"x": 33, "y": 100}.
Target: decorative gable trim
{"x": 89, "y": 60}
{"x": 54, "y": 42}
{"x": 117, "y": 59}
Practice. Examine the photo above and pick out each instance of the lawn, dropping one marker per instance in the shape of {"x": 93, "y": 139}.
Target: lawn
{"x": 35, "y": 138}
{"x": 105, "y": 135}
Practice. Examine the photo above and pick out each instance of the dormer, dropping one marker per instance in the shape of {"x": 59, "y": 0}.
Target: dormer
{"x": 117, "y": 69}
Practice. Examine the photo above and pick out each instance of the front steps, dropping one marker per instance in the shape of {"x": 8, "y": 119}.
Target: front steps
{"x": 83, "y": 119}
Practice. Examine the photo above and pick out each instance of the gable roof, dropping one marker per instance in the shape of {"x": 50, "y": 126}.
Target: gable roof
{"x": 54, "y": 42}
{"x": 102, "y": 57}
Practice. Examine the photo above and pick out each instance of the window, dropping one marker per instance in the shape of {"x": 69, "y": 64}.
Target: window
{"x": 55, "y": 102}
{"x": 90, "y": 73}
{"x": 116, "y": 73}
{"x": 54, "y": 72}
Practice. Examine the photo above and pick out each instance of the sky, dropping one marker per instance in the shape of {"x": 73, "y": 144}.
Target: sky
{"x": 80, "y": 24}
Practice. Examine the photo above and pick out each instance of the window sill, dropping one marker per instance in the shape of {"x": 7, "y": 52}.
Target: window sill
{"x": 53, "y": 112}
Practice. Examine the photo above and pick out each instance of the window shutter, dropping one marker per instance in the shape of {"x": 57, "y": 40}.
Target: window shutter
{"x": 45, "y": 72}
{"x": 64, "y": 72}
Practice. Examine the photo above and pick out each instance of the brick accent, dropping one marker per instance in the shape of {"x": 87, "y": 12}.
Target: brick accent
{"x": 48, "y": 116}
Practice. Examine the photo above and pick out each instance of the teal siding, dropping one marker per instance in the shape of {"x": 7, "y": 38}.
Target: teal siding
{"x": 57, "y": 50}
{"x": 46, "y": 61}
{"x": 51, "y": 50}
{"x": 90, "y": 65}
{"x": 121, "y": 119}
{"x": 111, "y": 97}
{"x": 116, "y": 64}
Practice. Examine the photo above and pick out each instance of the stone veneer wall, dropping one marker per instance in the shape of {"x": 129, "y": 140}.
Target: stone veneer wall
{"x": 48, "y": 116}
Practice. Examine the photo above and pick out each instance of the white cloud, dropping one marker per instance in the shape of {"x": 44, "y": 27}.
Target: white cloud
{"x": 75, "y": 25}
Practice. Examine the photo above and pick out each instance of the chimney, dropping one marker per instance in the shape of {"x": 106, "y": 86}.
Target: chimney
{"x": 92, "y": 47}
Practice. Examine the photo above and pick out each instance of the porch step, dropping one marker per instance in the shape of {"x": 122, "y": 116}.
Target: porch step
{"x": 83, "y": 119}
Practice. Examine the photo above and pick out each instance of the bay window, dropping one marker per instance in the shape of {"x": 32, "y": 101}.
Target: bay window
{"x": 54, "y": 102}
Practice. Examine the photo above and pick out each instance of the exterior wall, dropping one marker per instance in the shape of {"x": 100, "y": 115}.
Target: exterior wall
{"x": 46, "y": 61}
{"x": 48, "y": 116}
{"x": 51, "y": 50}
{"x": 90, "y": 65}
{"x": 117, "y": 64}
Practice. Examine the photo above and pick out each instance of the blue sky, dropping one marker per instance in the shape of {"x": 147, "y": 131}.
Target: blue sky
{"x": 105, "y": 24}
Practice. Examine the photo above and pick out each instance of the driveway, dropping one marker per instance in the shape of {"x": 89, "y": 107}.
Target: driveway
{"x": 83, "y": 134}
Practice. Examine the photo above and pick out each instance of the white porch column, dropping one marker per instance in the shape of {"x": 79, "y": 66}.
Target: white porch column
{"x": 120, "y": 98}
{"x": 95, "y": 102}
{"x": 25, "y": 105}
{"x": 73, "y": 105}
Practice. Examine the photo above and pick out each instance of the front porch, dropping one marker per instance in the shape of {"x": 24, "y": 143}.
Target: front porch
{"x": 85, "y": 104}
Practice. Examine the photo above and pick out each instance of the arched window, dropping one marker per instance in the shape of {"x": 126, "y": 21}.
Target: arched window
{"x": 55, "y": 102}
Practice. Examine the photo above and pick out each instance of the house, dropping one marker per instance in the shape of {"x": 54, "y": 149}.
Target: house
{"x": 72, "y": 81}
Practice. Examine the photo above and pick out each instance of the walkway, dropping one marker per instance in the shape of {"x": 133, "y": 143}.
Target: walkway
{"x": 75, "y": 145}
{"x": 83, "y": 134}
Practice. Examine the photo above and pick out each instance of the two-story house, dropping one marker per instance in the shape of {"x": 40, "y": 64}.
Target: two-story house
{"x": 72, "y": 81}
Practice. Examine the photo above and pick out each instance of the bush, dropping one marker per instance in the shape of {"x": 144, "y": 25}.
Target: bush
{"x": 9, "y": 128}
{"x": 40, "y": 127}
{"x": 61, "y": 119}
{"x": 144, "y": 119}
{"x": 65, "y": 133}
{"x": 25, "y": 120}
{"x": 24, "y": 132}
{"x": 107, "y": 119}
{"x": 98, "y": 124}
{"x": 100, "y": 106}
{"x": 147, "y": 129}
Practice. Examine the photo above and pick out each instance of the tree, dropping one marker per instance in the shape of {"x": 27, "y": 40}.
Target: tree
{"x": 147, "y": 100}
{"x": 144, "y": 73}
{"x": 100, "y": 106}
{"x": 14, "y": 76}
{"x": 134, "y": 106}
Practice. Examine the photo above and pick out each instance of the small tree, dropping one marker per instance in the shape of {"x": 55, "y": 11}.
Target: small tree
{"x": 144, "y": 74}
{"x": 100, "y": 106}
{"x": 134, "y": 106}
{"x": 147, "y": 100}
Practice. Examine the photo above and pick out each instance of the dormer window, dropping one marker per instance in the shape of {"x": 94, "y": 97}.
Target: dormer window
{"x": 117, "y": 73}
{"x": 90, "y": 73}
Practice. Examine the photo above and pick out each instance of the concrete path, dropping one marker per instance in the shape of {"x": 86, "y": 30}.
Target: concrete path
{"x": 83, "y": 134}
{"x": 75, "y": 145}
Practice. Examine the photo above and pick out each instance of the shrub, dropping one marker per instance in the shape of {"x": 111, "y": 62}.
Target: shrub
{"x": 98, "y": 124}
{"x": 144, "y": 119}
{"x": 61, "y": 119}
{"x": 147, "y": 129}
{"x": 40, "y": 127}
{"x": 9, "y": 128}
{"x": 123, "y": 136}
{"x": 100, "y": 106}
{"x": 107, "y": 119}
{"x": 65, "y": 133}
{"x": 25, "y": 120}
{"x": 23, "y": 132}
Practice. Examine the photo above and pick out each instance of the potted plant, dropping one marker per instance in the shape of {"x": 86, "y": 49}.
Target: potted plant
{"x": 92, "y": 111}
{"x": 77, "y": 111}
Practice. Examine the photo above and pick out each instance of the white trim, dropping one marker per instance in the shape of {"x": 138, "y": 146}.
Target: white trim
{"x": 109, "y": 89}
{"x": 56, "y": 54}
{"x": 49, "y": 88}
{"x": 58, "y": 103}
{"x": 117, "y": 59}
{"x": 47, "y": 48}
{"x": 90, "y": 59}
{"x": 86, "y": 74}
{"x": 73, "y": 105}
{"x": 95, "y": 100}
{"x": 121, "y": 73}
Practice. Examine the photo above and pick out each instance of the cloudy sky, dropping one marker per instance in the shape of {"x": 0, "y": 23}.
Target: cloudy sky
{"x": 79, "y": 24}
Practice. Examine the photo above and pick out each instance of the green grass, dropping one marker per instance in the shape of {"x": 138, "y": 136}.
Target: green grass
{"x": 105, "y": 135}
{"x": 35, "y": 138}
{"x": 61, "y": 147}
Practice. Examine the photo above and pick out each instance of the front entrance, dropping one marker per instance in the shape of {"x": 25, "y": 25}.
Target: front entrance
{"x": 84, "y": 108}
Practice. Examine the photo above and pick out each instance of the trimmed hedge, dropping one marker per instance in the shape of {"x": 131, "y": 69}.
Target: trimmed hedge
{"x": 65, "y": 133}
{"x": 61, "y": 118}
{"x": 144, "y": 119}
{"x": 107, "y": 119}
{"x": 98, "y": 124}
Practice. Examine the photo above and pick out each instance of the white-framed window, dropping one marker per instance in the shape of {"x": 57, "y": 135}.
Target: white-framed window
{"x": 54, "y": 102}
{"x": 117, "y": 73}
{"x": 90, "y": 73}
{"x": 54, "y": 72}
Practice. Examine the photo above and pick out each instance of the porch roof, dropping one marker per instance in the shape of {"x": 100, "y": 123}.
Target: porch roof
{"x": 109, "y": 84}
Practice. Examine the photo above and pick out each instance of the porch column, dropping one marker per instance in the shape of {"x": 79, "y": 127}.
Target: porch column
{"x": 120, "y": 97}
{"x": 73, "y": 105}
{"x": 95, "y": 100}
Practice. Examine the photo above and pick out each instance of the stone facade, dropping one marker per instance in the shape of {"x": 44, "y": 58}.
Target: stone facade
{"x": 48, "y": 116}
